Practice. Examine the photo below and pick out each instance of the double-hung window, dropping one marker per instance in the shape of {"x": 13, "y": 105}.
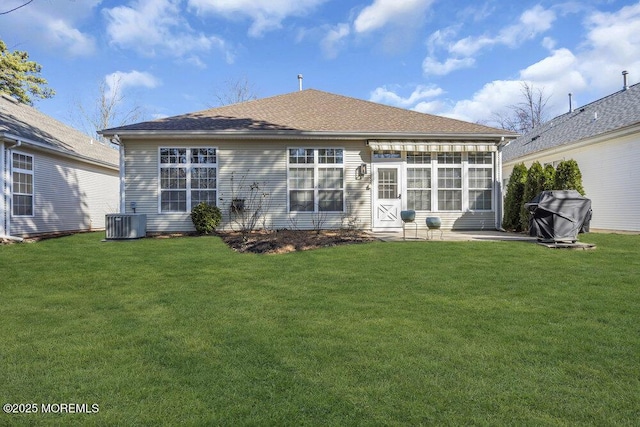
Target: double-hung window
{"x": 22, "y": 185}
{"x": 419, "y": 181}
{"x": 188, "y": 176}
{"x": 316, "y": 179}
{"x": 480, "y": 181}
{"x": 449, "y": 181}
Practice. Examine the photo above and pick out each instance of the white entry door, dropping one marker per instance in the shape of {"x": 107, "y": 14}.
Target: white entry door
{"x": 387, "y": 200}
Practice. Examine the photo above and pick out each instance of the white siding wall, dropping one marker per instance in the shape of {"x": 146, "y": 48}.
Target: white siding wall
{"x": 68, "y": 196}
{"x": 263, "y": 162}
{"x": 610, "y": 177}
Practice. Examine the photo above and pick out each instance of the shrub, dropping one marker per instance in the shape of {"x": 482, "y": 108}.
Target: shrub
{"x": 568, "y": 176}
{"x": 205, "y": 217}
{"x": 514, "y": 197}
{"x": 549, "y": 177}
{"x": 532, "y": 187}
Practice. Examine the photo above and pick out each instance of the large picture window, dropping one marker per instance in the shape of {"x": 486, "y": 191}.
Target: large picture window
{"x": 188, "y": 176}
{"x": 22, "y": 184}
{"x": 316, "y": 179}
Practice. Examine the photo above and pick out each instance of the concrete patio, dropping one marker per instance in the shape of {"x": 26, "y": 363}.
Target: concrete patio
{"x": 450, "y": 235}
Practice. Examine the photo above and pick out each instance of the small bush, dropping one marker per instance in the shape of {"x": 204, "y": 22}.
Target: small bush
{"x": 205, "y": 217}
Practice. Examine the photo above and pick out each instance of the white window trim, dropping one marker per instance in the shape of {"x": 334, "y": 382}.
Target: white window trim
{"x": 491, "y": 186}
{"x": 464, "y": 165}
{"x": 188, "y": 165}
{"x": 408, "y": 166}
{"x": 33, "y": 183}
{"x": 463, "y": 178}
{"x": 316, "y": 166}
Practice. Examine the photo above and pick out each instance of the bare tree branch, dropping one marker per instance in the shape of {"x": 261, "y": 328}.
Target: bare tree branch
{"x": 234, "y": 91}
{"x": 106, "y": 111}
{"x": 527, "y": 114}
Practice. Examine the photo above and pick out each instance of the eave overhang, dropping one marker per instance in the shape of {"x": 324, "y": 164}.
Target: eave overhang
{"x": 297, "y": 135}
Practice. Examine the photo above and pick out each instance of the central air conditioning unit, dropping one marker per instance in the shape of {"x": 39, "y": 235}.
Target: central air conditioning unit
{"x": 125, "y": 226}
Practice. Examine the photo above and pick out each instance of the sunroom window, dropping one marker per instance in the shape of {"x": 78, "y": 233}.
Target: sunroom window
{"x": 480, "y": 181}
{"x": 449, "y": 181}
{"x": 419, "y": 181}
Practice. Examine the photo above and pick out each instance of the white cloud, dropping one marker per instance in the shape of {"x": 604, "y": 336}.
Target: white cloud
{"x": 419, "y": 95}
{"x": 266, "y": 15}
{"x": 383, "y": 12}
{"x": 461, "y": 53}
{"x": 431, "y": 66}
{"x": 532, "y": 22}
{"x": 612, "y": 45}
{"x": 118, "y": 81}
{"x": 469, "y": 46}
{"x": 75, "y": 42}
{"x": 52, "y": 26}
{"x": 334, "y": 40}
{"x": 556, "y": 76}
{"x": 152, "y": 26}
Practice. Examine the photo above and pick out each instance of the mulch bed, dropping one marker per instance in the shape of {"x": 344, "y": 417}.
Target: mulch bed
{"x": 284, "y": 241}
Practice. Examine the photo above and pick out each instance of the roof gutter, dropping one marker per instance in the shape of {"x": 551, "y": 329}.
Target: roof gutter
{"x": 18, "y": 141}
{"x": 287, "y": 134}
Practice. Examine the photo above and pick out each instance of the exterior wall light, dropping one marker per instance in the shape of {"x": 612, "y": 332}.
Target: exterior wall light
{"x": 362, "y": 170}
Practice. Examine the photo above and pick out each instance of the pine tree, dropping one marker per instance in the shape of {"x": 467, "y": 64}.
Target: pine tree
{"x": 549, "y": 177}
{"x": 569, "y": 177}
{"x": 532, "y": 187}
{"x": 20, "y": 77}
{"x": 514, "y": 198}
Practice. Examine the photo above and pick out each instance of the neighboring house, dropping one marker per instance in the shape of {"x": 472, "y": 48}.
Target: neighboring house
{"x": 604, "y": 138}
{"x": 323, "y": 159}
{"x": 53, "y": 178}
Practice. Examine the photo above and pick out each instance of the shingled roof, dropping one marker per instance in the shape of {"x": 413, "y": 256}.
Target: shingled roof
{"x": 25, "y": 123}
{"x": 611, "y": 113}
{"x": 311, "y": 111}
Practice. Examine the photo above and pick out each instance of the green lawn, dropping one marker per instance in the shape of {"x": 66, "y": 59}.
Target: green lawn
{"x": 186, "y": 331}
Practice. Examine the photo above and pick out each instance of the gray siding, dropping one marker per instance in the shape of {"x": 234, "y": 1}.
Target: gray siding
{"x": 68, "y": 196}
{"x": 263, "y": 162}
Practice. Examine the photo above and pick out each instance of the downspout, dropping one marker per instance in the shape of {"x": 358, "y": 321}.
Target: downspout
{"x": 123, "y": 205}
{"x": 499, "y": 189}
{"x": 5, "y": 218}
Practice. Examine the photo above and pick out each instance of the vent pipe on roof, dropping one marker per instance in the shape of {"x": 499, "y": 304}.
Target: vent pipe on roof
{"x": 300, "y": 81}
{"x": 624, "y": 80}
{"x": 570, "y": 106}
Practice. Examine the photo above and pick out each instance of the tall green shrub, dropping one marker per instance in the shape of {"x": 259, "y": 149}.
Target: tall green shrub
{"x": 534, "y": 184}
{"x": 549, "y": 177}
{"x": 514, "y": 197}
{"x": 568, "y": 176}
{"x": 205, "y": 217}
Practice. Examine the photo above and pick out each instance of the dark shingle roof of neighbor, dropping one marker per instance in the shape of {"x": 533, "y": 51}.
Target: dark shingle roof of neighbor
{"x": 311, "y": 110}
{"x": 23, "y": 121}
{"x": 613, "y": 112}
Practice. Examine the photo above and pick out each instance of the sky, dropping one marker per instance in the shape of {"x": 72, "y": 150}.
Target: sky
{"x": 465, "y": 59}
